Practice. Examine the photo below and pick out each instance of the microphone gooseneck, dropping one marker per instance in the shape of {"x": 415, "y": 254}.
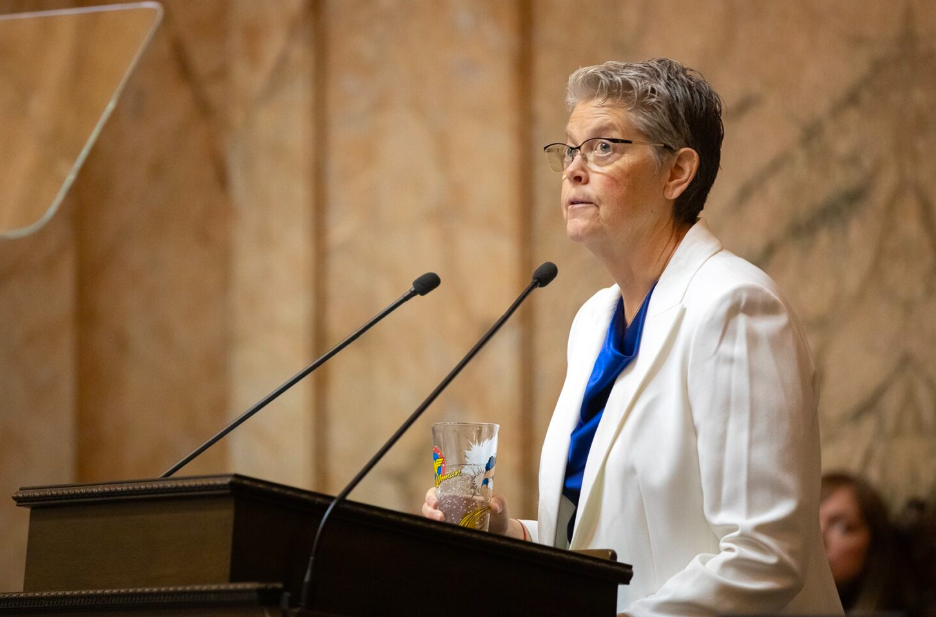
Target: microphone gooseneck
{"x": 421, "y": 286}
{"x": 542, "y": 277}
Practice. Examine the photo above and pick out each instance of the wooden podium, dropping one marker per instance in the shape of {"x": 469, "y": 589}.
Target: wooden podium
{"x": 233, "y": 545}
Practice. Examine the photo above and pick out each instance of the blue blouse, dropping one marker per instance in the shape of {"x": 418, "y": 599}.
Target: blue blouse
{"x": 619, "y": 349}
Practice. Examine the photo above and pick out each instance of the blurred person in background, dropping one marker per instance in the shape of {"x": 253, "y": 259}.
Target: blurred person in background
{"x": 860, "y": 545}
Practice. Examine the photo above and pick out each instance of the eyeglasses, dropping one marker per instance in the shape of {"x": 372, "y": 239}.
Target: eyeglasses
{"x": 597, "y": 152}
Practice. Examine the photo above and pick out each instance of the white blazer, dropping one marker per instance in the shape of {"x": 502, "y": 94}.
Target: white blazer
{"x": 704, "y": 472}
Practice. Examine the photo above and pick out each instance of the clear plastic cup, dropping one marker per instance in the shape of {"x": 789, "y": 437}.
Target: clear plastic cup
{"x": 463, "y": 456}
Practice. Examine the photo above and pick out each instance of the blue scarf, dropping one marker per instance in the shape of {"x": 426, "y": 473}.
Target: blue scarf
{"x": 619, "y": 349}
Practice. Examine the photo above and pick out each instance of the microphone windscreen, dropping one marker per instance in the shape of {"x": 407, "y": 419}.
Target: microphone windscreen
{"x": 426, "y": 283}
{"x": 544, "y": 275}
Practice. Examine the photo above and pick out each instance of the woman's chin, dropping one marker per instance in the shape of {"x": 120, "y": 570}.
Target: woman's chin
{"x": 578, "y": 232}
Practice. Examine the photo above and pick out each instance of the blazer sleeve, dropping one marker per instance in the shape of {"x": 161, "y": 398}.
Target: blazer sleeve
{"x": 532, "y": 528}
{"x": 751, "y": 391}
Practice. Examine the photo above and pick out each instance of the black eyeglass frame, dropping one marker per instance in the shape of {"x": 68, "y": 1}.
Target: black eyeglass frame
{"x": 614, "y": 140}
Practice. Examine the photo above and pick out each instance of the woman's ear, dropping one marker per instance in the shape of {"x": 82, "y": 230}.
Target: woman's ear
{"x": 683, "y": 168}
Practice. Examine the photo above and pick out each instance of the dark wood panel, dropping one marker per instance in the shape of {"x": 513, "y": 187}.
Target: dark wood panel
{"x": 241, "y": 599}
{"x": 171, "y": 542}
{"x": 154, "y": 533}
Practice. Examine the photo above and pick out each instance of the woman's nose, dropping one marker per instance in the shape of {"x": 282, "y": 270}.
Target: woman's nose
{"x": 577, "y": 171}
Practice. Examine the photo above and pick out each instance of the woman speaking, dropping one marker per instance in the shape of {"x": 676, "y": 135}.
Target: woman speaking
{"x": 685, "y": 437}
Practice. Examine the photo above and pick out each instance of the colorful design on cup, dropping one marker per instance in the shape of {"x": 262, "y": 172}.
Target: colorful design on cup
{"x": 488, "y": 472}
{"x": 482, "y": 457}
{"x": 438, "y": 463}
{"x": 475, "y": 518}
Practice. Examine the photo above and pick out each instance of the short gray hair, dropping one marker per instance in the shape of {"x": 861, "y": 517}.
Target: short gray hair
{"x": 669, "y": 103}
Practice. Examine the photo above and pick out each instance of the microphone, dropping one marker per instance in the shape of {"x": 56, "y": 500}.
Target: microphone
{"x": 421, "y": 286}
{"x": 545, "y": 274}
{"x": 541, "y": 277}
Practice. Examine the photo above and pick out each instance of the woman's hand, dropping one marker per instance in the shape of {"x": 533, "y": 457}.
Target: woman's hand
{"x": 430, "y": 508}
{"x": 500, "y": 523}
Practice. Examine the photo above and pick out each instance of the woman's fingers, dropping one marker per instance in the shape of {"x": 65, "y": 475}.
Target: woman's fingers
{"x": 430, "y": 507}
{"x": 431, "y": 513}
{"x": 499, "y": 521}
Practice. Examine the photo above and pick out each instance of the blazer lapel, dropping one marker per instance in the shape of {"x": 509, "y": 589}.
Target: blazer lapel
{"x": 565, "y": 417}
{"x": 663, "y": 316}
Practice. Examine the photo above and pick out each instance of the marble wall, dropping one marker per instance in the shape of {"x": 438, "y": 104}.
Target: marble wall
{"x": 277, "y": 172}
